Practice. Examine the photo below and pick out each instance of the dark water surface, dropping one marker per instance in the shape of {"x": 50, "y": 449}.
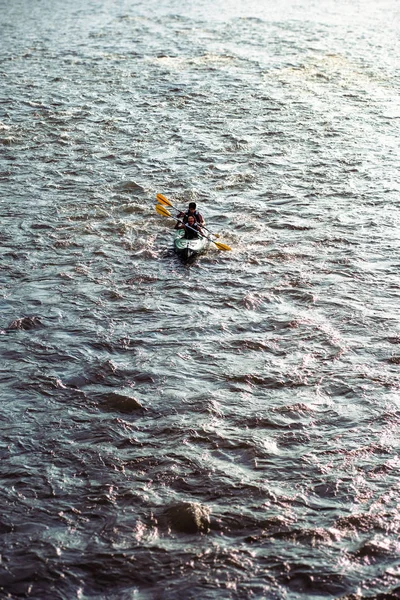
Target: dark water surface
{"x": 260, "y": 385}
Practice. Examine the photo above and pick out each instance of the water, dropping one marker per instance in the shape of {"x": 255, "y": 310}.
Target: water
{"x": 261, "y": 385}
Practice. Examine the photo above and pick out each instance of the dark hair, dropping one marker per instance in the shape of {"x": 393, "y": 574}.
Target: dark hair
{"x": 192, "y": 205}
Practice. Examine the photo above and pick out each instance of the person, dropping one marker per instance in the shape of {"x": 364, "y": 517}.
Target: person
{"x": 192, "y": 228}
{"x": 192, "y": 211}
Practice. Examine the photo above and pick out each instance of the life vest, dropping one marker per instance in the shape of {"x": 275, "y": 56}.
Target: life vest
{"x": 196, "y": 215}
{"x": 190, "y": 234}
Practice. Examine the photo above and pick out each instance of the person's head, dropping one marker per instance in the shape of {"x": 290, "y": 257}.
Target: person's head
{"x": 192, "y": 207}
{"x": 191, "y": 220}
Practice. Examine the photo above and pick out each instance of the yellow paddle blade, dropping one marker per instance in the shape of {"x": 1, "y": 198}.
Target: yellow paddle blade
{"x": 163, "y": 200}
{"x": 223, "y": 246}
{"x": 163, "y": 211}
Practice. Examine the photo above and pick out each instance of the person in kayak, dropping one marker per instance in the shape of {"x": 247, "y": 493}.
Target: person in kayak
{"x": 192, "y": 211}
{"x": 192, "y": 228}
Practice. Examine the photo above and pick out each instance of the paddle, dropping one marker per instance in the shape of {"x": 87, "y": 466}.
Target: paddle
{"x": 165, "y": 213}
{"x": 163, "y": 200}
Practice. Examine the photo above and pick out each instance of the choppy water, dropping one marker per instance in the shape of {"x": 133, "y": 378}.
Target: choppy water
{"x": 266, "y": 379}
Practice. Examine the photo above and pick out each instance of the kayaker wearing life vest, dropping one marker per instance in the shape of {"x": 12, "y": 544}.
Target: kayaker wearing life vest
{"x": 193, "y": 213}
{"x": 192, "y": 229}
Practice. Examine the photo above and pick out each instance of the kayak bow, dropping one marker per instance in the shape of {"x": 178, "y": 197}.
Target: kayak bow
{"x": 188, "y": 250}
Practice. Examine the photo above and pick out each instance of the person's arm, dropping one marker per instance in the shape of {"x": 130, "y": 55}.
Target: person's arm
{"x": 179, "y": 225}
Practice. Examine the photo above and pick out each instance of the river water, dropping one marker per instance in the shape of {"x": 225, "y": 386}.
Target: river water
{"x": 257, "y": 390}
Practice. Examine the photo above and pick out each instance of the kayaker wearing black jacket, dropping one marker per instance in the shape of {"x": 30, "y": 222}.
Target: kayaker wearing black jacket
{"x": 191, "y": 212}
{"x": 192, "y": 229}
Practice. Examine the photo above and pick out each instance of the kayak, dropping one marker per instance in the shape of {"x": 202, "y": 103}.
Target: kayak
{"x": 188, "y": 250}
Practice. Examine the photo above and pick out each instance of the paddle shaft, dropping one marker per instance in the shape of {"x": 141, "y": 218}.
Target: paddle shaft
{"x": 193, "y": 229}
